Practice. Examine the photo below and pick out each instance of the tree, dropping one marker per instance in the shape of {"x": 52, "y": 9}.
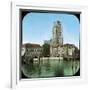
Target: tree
{"x": 46, "y": 50}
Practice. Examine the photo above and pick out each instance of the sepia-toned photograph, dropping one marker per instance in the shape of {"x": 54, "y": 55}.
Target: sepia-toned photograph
{"x": 50, "y": 44}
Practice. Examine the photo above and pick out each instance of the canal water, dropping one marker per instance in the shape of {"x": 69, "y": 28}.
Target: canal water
{"x": 50, "y": 68}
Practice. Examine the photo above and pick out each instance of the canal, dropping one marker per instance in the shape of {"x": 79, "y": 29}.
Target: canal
{"x": 51, "y": 68}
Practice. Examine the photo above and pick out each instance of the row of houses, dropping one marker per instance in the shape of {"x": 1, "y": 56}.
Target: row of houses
{"x": 35, "y": 50}
{"x": 31, "y": 50}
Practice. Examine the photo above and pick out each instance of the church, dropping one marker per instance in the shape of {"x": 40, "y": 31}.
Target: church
{"x": 57, "y": 48}
{"x": 56, "y": 44}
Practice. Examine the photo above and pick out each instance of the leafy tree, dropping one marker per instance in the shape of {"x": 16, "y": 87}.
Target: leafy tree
{"x": 46, "y": 50}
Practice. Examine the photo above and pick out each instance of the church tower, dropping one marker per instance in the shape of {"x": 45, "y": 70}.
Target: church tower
{"x": 57, "y": 34}
{"x": 57, "y": 39}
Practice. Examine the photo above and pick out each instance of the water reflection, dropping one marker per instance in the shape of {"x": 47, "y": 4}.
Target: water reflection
{"x": 50, "y": 68}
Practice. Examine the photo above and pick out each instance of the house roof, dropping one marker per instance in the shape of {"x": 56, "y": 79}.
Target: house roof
{"x": 69, "y": 45}
{"x": 65, "y": 45}
{"x": 29, "y": 45}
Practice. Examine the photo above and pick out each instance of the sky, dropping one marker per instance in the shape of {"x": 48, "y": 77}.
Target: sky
{"x": 37, "y": 27}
